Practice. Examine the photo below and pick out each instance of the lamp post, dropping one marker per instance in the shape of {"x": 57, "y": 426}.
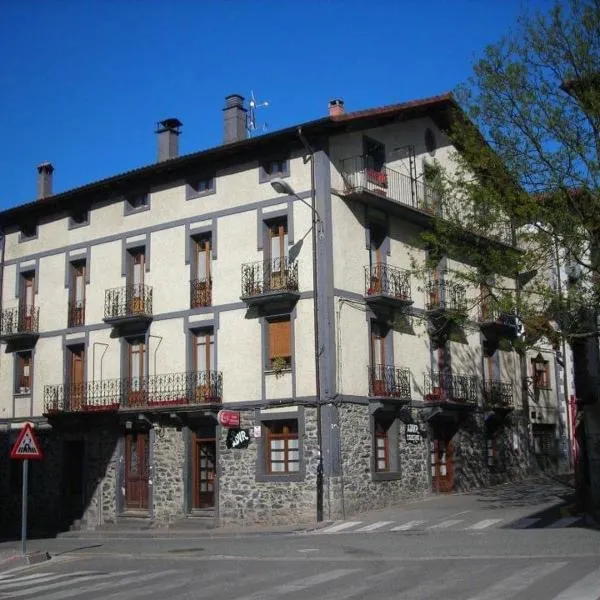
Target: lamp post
{"x": 283, "y": 187}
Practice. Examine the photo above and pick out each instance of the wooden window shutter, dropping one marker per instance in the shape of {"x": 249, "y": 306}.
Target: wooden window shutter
{"x": 279, "y": 339}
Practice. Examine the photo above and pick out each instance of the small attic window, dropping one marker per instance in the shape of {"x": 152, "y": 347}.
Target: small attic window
{"x": 202, "y": 186}
{"x": 137, "y": 202}
{"x": 430, "y": 142}
{"x": 79, "y": 218}
{"x": 28, "y": 231}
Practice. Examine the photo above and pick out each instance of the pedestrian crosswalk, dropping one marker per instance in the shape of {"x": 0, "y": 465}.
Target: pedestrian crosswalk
{"x": 559, "y": 579}
{"x": 462, "y": 524}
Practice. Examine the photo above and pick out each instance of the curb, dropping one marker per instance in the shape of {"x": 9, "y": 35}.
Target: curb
{"x": 19, "y": 560}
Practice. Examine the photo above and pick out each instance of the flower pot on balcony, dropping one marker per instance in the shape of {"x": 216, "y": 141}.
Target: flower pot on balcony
{"x": 203, "y": 393}
{"x": 137, "y": 306}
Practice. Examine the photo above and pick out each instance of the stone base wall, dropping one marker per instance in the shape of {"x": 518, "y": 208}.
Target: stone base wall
{"x": 167, "y": 475}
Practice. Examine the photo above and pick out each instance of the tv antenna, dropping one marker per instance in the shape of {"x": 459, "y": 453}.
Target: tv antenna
{"x": 251, "y": 126}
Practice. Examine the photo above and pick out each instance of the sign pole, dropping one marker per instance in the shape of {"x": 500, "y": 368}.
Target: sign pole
{"x": 24, "y": 507}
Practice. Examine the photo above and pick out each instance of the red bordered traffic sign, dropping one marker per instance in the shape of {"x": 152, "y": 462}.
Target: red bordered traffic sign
{"x": 27, "y": 445}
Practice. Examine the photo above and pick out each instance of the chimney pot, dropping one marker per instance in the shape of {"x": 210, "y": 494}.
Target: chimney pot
{"x": 234, "y": 119}
{"x": 44, "y": 182}
{"x": 336, "y": 107}
{"x": 168, "y": 138}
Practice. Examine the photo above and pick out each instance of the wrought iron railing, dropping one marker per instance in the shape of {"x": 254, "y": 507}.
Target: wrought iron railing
{"x": 129, "y": 301}
{"x": 497, "y": 394}
{"x": 388, "y": 381}
{"x": 263, "y": 277}
{"x": 171, "y": 389}
{"x": 76, "y": 313}
{"x": 445, "y": 295}
{"x": 446, "y": 387}
{"x": 200, "y": 293}
{"x": 389, "y": 281}
{"x": 490, "y": 312}
{"x": 359, "y": 174}
{"x": 19, "y": 320}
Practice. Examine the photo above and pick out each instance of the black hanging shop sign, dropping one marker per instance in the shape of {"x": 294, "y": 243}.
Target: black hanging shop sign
{"x": 238, "y": 438}
{"x": 413, "y": 436}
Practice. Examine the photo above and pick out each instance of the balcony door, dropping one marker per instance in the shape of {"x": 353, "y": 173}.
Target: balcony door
{"x": 201, "y": 286}
{"x": 76, "y": 373}
{"x": 135, "y": 293}
{"x": 27, "y": 302}
{"x": 278, "y": 254}
{"x": 378, "y": 358}
{"x": 137, "y": 463}
{"x": 377, "y": 236}
{"x": 204, "y": 465}
{"x": 442, "y": 465}
{"x": 77, "y": 309}
{"x": 204, "y": 363}
{"x": 136, "y": 383}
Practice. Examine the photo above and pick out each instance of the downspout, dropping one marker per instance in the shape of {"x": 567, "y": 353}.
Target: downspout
{"x": 319, "y": 482}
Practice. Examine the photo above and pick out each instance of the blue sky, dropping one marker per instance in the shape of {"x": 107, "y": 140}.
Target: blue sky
{"x": 83, "y": 83}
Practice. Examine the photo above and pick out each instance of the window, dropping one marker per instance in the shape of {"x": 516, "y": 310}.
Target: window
{"x": 278, "y": 248}
{"x": 385, "y": 453}
{"x": 432, "y": 179}
{"x": 28, "y": 231}
{"x": 200, "y": 187}
{"x": 274, "y": 167}
{"x": 137, "y": 202}
{"x": 282, "y": 447}
{"x": 279, "y": 343}
{"x": 136, "y": 387}
{"x": 27, "y": 315}
{"x": 79, "y": 218}
{"x": 201, "y": 285}
{"x": 23, "y": 375}
{"x": 541, "y": 373}
{"x": 204, "y": 350}
{"x": 374, "y": 152}
{"x": 77, "y": 295}
{"x": 136, "y": 298}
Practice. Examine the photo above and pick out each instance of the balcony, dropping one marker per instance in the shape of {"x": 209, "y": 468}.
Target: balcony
{"x": 388, "y": 381}
{"x": 497, "y": 394}
{"x": 172, "y": 390}
{"x": 394, "y": 192}
{"x": 129, "y": 305}
{"x": 76, "y": 316}
{"x": 495, "y": 323}
{"x": 445, "y": 297}
{"x": 200, "y": 293}
{"x": 20, "y": 324}
{"x": 270, "y": 284}
{"x": 449, "y": 389}
{"x": 387, "y": 286}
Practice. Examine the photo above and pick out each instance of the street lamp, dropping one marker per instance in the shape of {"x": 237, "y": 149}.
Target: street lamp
{"x": 283, "y": 187}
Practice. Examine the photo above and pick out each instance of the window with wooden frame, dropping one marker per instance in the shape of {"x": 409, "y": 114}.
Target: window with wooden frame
{"x": 204, "y": 350}
{"x": 385, "y": 462}
{"x": 77, "y": 294}
{"x": 200, "y": 187}
{"x": 278, "y": 245}
{"x": 273, "y": 167}
{"x": 23, "y": 372}
{"x": 135, "y": 293}
{"x": 541, "y": 373}
{"x": 382, "y": 446}
{"x": 377, "y": 236}
{"x": 282, "y": 451}
{"x": 279, "y": 340}
{"x": 27, "y": 302}
{"x": 201, "y": 285}
{"x": 137, "y": 202}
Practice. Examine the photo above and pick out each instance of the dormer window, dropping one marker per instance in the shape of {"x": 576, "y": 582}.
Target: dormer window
{"x": 79, "y": 218}
{"x": 28, "y": 231}
{"x": 274, "y": 167}
{"x": 137, "y": 202}
{"x": 202, "y": 186}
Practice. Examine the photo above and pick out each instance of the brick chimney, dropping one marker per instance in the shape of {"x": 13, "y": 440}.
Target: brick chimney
{"x": 168, "y": 138}
{"x": 44, "y": 180}
{"x": 234, "y": 119}
{"x": 336, "y": 107}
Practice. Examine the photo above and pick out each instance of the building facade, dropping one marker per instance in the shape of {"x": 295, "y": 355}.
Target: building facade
{"x": 274, "y": 277}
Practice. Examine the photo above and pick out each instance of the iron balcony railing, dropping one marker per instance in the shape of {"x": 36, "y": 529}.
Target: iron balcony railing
{"x": 200, "y": 293}
{"x": 19, "y": 320}
{"x": 497, "y": 394}
{"x": 264, "y": 277}
{"x": 489, "y": 312}
{"x": 388, "y": 381}
{"x": 129, "y": 301}
{"x": 446, "y": 387}
{"x": 76, "y": 313}
{"x": 445, "y": 295}
{"x": 389, "y": 281}
{"x": 360, "y": 174}
{"x": 171, "y": 389}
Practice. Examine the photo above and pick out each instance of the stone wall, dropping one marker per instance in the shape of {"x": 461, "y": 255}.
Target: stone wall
{"x": 168, "y": 474}
{"x": 245, "y": 501}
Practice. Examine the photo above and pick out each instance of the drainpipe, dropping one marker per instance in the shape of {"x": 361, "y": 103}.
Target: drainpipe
{"x": 159, "y": 338}
{"x": 94, "y": 359}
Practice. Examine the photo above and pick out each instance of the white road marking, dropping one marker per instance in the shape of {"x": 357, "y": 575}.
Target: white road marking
{"x": 446, "y": 524}
{"x": 587, "y": 588}
{"x": 407, "y": 526}
{"x": 519, "y": 581}
{"x": 340, "y": 526}
{"x": 373, "y": 526}
{"x": 5, "y": 578}
{"x": 525, "y": 522}
{"x": 565, "y": 522}
{"x": 280, "y": 591}
{"x": 485, "y": 524}
{"x": 66, "y": 582}
{"x": 45, "y": 577}
{"x": 118, "y": 582}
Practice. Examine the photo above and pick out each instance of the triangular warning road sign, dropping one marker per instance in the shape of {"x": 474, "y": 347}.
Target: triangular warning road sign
{"x": 27, "y": 445}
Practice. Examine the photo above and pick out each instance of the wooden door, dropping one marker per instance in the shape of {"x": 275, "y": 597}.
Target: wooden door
{"x": 376, "y": 259}
{"x": 442, "y": 466}
{"x": 136, "y": 293}
{"x": 137, "y": 388}
{"x": 378, "y": 359}
{"x": 27, "y": 302}
{"x": 204, "y": 363}
{"x": 77, "y": 316}
{"x": 204, "y": 472}
{"x": 73, "y": 500}
{"x": 202, "y": 289}
{"x": 77, "y": 377}
{"x": 137, "y": 458}
{"x": 278, "y": 233}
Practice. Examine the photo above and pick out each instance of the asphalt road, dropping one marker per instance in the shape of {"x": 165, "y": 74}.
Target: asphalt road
{"x": 500, "y": 561}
